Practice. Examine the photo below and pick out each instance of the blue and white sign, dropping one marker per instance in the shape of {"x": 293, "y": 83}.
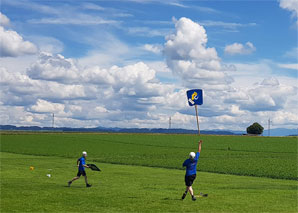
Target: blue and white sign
{"x": 195, "y": 97}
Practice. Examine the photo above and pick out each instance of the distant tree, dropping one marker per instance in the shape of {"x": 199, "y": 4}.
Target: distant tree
{"x": 255, "y": 128}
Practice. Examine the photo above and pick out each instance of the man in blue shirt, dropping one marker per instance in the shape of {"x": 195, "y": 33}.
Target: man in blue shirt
{"x": 81, "y": 166}
{"x": 191, "y": 171}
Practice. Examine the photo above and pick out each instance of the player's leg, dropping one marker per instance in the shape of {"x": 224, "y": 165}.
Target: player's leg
{"x": 185, "y": 193}
{"x": 191, "y": 180}
{"x": 75, "y": 178}
{"x": 191, "y": 192}
{"x": 187, "y": 183}
{"x": 86, "y": 179}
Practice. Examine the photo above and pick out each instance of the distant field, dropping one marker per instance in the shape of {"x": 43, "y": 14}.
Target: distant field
{"x": 125, "y": 188}
{"x": 274, "y": 157}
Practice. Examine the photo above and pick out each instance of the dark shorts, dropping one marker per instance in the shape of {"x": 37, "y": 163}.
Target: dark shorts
{"x": 189, "y": 180}
{"x": 81, "y": 173}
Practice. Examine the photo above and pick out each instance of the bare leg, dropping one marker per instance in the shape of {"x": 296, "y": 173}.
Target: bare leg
{"x": 190, "y": 190}
{"x": 86, "y": 181}
{"x": 75, "y": 178}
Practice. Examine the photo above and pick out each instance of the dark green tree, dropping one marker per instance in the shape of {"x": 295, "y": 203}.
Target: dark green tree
{"x": 255, "y": 128}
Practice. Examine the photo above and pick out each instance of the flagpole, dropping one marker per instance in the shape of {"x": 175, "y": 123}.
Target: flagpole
{"x": 197, "y": 116}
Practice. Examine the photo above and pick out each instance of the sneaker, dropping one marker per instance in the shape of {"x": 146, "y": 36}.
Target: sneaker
{"x": 88, "y": 185}
{"x": 69, "y": 182}
{"x": 194, "y": 198}
{"x": 183, "y": 196}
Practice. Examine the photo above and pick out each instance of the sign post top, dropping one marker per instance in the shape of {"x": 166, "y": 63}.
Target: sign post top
{"x": 195, "y": 97}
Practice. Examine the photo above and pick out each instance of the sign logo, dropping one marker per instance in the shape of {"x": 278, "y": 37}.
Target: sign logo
{"x": 195, "y": 97}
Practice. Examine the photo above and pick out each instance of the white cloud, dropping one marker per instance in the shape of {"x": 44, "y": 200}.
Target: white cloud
{"x": 91, "y": 6}
{"x": 190, "y": 59}
{"x": 47, "y": 107}
{"x": 238, "y": 48}
{"x": 291, "y": 5}
{"x": 269, "y": 95}
{"x": 289, "y": 66}
{"x": 80, "y": 19}
{"x": 153, "y": 48}
{"x": 226, "y": 25}
{"x": 4, "y": 20}
{"x": 13, "y": 45}
{"x": 54, "y": 68}
{"x": 19, "y": 89}
{"x": 59, "y": 84}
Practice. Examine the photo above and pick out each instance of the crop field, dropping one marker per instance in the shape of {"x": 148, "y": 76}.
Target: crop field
{"x": 274, "y": 157}
{"x": 143, "y": 173}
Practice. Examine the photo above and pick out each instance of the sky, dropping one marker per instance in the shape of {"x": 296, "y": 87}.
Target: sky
{"x": 129, "y": 63}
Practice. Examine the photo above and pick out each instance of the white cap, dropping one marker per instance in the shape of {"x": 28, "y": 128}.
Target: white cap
{"x": 192, "y": 155}
{"x": 84, "y": 153}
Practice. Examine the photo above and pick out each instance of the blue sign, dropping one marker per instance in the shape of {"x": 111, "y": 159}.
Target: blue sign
{"x": 195, "y": 97}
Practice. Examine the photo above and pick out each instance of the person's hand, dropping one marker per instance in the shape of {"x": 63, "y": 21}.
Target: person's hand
{"x": 200, "y": 141}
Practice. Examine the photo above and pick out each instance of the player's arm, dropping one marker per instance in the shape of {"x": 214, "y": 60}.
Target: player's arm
{"x": 200, "y": 146}
{"x": 78, "y": 163}
{"x": 84, "y": 164}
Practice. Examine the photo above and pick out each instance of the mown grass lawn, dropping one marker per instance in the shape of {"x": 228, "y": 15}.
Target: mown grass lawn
{"x": 125, "y": 188}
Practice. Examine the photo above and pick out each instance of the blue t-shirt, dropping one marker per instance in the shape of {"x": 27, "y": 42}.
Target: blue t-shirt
{"x": 82, "y": 162}
{"x": 191, "y": 165}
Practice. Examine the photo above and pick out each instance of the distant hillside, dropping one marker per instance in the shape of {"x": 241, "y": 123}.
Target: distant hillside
{"x": 281, "y": 132}
{"x": 121, "y": 130}
{"x": 273, "y": 132}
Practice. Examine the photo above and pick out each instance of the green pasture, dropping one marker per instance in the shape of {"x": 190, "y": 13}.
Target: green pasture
{"x": 274, "y": 157}
{"x": 126, "y": 188}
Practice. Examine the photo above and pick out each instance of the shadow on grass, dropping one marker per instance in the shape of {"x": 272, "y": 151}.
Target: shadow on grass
{"x": 171, "y": 198}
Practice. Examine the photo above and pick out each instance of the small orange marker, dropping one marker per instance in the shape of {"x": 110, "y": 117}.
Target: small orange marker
{"x": 31, "y": 168}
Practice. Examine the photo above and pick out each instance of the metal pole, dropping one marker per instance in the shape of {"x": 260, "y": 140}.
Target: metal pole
{"x": 197, "y": 116}
{"x": 269, "y": 127}
{"x": 53, "y": 121}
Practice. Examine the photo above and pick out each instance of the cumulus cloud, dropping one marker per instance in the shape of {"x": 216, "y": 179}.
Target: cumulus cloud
{"x": 13, "y": 45}
{"x": 56, "y": 83}
{"x": 291, "y": 5}
{"x": 4, "y": 20}
{"x": 189, "y": 57}
{"x": 19, "y": 89}
{"x": 269, "y": 95}
{"x": 54, "y": 68}
{"x": 238, "y": 48}
{"x": 131, "y": 80}
{"x": 48, "y": 107}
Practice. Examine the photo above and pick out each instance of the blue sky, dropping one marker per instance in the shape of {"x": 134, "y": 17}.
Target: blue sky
{"x": 129, "y": 63}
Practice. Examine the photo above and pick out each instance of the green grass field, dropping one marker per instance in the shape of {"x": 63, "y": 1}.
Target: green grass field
{"x": 142, "y": 173}
{"x": 274, "y": 157}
